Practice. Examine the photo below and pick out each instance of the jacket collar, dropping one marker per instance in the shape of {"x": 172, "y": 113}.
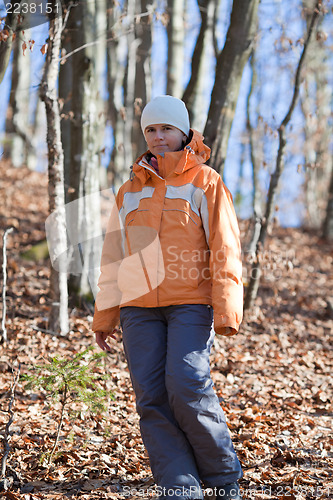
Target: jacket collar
{"x": 194, "y": 153}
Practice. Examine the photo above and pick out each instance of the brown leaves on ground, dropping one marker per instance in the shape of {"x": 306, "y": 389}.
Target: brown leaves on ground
{"x": 273, "y": 379}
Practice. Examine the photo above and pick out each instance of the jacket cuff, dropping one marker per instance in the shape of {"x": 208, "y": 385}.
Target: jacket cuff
{"x": 106, "y": 320}
{"x": 225, "y": 326}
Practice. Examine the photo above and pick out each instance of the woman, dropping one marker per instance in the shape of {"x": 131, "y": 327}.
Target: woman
{"x": 175, "y": 267}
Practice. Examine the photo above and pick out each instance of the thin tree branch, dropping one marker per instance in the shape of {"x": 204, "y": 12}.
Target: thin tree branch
{"x": 4, "y": 284}
{"x": 49, "y": 332}
{"x": 6, "y": 436}
{"x": 70, "y": 6}
{"x": 257, "y": 212}
{"x": 96, "y": 42}
{"x": 215, "y": 43}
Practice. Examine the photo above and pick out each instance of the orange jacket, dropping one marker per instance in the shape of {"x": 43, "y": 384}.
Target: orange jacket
{"x": 173, "y": 240}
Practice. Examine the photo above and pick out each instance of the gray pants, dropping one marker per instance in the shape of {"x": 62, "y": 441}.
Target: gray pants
{"x": 182, "y": 424}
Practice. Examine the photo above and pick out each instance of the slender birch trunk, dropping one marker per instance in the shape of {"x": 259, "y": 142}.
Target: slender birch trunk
{"x": 3, "y": 336}
{"x": 18, "y": 138}
{"x": 256, "y": 198}
{"x": 317, "y": 108}
{"x": 175, "y": 31}
{"x": 65, "y": 100}
{"x": 58, "y": 320}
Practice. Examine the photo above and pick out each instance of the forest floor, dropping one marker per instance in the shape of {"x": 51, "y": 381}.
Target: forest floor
{"x": 274, "y": 379}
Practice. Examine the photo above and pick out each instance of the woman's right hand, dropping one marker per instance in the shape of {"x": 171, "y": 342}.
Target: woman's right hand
{"x": 101, "y": 340}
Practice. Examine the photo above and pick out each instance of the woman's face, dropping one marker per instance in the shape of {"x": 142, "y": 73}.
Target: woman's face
{"x": 162, "y": 138}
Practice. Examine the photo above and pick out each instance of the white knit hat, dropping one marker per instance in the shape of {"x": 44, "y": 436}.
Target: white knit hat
{"x": 166, "y": 109}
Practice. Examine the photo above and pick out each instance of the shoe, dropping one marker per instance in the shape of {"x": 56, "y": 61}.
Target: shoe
{"x": 228, "y": 492}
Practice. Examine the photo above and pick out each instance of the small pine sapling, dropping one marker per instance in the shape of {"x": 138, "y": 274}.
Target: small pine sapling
{"x": 68, "y": 380}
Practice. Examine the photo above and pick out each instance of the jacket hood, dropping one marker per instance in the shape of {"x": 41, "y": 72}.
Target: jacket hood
{"x": 194, "y": 153}
{"x": 198, "y": 146}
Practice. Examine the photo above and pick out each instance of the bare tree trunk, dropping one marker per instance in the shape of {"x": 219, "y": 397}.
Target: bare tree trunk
{"x": 142, "y": 79}
{"x": 256, "y": 203}
{"x": 328, "y": 222}
{"x": 87, "y": 134}
{"x": 229, "y": 71}
{"x": 275, "y": 176}
{"x": 6, "y": 40}
{"x": 38, "y": 126}
{"x": 7, "y": 434}
{"x": 113, "y": 68}
{"x": 316, "y": 107}
{"x": 129, "y": 86}
{"x": 3, "y": 336}
{"x": 194, "y": 92}
{"x": 58, "y": 320}
{"x": 18, "y": 138}
{"x": 65, "y": 100}
{"x": 117, "y": 87}
{"x": 175, "y": 31}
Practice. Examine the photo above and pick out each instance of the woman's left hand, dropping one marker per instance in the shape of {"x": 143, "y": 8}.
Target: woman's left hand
{"x": 101, "y": 340}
